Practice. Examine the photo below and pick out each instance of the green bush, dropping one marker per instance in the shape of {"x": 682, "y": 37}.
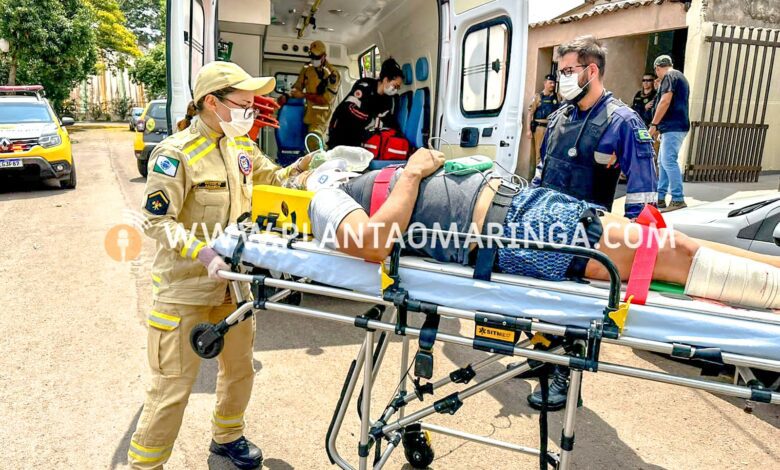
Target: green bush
{"x": 121, "y": 107}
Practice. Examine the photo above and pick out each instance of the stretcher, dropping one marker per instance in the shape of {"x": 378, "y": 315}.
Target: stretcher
{"x": 545, "y": 323}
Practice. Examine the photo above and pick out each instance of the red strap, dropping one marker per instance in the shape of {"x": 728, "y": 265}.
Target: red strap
{"x": 644, "y": 259}
{"x": 380, "y": 191}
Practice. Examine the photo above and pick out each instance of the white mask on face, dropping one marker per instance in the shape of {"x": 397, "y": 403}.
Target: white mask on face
{"x": 570, "y": 87}
{"x": 238, "y": 125}
{"x": 391, "y": 90}
{"x": 316, "y": 62}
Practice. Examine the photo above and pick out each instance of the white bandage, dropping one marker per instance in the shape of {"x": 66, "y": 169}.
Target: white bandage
{"x": 733, "y": 279}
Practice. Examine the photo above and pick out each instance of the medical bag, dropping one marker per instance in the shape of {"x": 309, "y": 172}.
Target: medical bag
{"x": 387, "y": 144}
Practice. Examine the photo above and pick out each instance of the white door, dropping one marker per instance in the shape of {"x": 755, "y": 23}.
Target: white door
{"x": 190, "y": 32}
{"x": 482, "y": 74}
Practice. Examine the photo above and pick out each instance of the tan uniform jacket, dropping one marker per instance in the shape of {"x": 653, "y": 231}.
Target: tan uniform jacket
{"x": 199, "y": 182}
{"x": 309, "y": 81}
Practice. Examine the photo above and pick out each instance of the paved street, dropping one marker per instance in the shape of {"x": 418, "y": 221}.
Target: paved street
{"x": 74, "y": 362}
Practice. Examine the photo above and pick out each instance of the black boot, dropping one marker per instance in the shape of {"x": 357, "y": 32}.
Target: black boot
{"x": 559, "y": 387}
{"x": 241, "y": 452}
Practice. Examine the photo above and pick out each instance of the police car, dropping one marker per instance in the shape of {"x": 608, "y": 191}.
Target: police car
{"x": 151, "y": 128}
{"x": 33, "y": 141}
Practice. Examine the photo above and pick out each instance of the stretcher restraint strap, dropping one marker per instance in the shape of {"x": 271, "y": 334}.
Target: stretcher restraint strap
{"x": 381, "y": 188}
{"x": 646, "y": 254}
{"x": 423, "y": 360}
{"x": 486, "y": 256}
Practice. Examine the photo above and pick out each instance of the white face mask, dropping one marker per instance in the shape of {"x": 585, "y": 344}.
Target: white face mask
{"x": 391, "y": 90}
{"x": 316, "y": 62}
{"x": 238, "y": 125}
{"x": 570, "y": 87}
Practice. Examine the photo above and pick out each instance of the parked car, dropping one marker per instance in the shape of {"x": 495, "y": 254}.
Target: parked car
{"x": 33, "y": 141}
{"x": 751, "y": 223}
{"x": 135, "y": 113}
{"x": 151, "y": 129}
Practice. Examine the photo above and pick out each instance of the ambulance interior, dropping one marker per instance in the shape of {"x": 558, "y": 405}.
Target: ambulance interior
{"x": 458, "y": 86}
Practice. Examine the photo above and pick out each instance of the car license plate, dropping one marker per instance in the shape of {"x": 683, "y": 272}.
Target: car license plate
{"x": 11, "y": 163}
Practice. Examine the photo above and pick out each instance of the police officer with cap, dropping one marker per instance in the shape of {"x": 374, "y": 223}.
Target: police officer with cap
{"x": 318, "y": 82}
{"x": 544, "y": 103}
{"x": 201, "y": 179}
{"x": 588, "y": 142}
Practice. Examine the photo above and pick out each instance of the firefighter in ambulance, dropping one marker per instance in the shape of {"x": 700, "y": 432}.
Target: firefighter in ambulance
{"x": 201, "y": 177}
{"x": 318, "y": 82}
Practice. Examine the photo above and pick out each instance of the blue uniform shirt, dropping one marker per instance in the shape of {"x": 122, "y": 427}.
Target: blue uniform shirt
{"x": 628, "y": 140}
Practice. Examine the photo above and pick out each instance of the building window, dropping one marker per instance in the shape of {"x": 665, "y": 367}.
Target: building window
{"x": 485, "y": 62}
{"x": 370, "y": 62}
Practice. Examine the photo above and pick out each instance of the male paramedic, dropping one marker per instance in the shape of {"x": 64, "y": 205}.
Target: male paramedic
{"x": 588, "y": 142}
{"x": 318, "y": 82}
{"x": 201, "y": 178}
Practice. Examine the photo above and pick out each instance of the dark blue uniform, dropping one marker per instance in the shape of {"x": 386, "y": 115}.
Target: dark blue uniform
{"x": 583, "y": 153}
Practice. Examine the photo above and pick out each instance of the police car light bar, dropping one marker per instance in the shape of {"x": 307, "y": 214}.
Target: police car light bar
{"x": 9, "y": 88}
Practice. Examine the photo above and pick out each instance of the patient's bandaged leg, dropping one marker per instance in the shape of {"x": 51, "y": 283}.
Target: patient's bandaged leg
{"x": 733, "y": 279}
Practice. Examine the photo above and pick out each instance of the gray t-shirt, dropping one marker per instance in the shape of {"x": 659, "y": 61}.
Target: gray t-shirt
{"x": 327, "y": 209}
{"x": 445, "y": 202}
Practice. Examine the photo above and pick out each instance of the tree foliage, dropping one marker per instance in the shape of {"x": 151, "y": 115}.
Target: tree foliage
{"x": 145, "y": 18}
{"x": 114, "y": 40}
{"x": 149, "y": 69}
{"x": 52, "y": 43}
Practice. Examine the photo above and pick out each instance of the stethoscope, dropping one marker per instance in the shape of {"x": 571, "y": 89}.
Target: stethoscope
{"x": 573, "y": 151}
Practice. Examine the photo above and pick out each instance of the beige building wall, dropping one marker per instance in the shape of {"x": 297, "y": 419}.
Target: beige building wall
{"x": 696, "y": 66}
{"x": 625, "y": 32}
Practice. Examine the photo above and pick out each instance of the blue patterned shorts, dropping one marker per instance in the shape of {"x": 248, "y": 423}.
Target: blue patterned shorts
{"x": 541, "y": 214}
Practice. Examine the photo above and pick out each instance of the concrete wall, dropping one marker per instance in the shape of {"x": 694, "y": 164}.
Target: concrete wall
{"x": 631, "y": 26}
{"x": 756, "y": 13}
{"x": 697, "y": 62}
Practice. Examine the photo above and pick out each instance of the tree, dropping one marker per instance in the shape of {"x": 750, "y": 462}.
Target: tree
{"x": 114, "y": 40}
{"x": 52, "y": 43}
{"x": 149, "y": 69}
{"x": 145, "y": 18}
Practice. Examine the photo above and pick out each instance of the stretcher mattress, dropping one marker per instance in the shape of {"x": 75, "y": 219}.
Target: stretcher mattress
{"x": 663, "y": 318}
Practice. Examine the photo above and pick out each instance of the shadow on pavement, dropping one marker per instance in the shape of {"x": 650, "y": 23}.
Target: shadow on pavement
{"x": 763, "y": 411}
{"x": 11, "y": 190}
{"x": 120, "y": 454}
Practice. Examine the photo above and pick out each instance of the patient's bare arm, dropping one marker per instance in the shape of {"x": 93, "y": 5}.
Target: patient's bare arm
{"x": 370, "y": 238}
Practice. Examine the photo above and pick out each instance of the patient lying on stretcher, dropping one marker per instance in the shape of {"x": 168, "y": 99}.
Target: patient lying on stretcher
{"x": 422, "y": 195}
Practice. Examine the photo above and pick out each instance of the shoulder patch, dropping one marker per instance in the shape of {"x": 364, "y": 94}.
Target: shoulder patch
{"x": 157, "y": 203}
{"x": 166, "y": 165}
{"x": 643, "y": 135}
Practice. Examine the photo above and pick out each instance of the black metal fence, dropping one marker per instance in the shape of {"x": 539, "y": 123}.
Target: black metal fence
{"x": 727, "y": 144}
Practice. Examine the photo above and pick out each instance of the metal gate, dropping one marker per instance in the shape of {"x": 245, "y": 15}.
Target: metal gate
{"x": 727, "y": 144}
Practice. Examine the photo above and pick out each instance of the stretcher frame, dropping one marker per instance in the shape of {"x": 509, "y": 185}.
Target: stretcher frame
{"x": 580, "y": 352}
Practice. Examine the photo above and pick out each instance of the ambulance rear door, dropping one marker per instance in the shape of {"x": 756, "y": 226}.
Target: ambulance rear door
{"x": 482, "y": 74}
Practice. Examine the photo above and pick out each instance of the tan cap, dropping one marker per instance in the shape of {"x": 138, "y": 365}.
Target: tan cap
{"x": 317, "y": 48}
{"x": 219, "y": 75}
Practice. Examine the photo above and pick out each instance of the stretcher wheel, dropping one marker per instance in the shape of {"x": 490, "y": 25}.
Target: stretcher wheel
{"x": 417, "y": 448}
{"x": 204, "y": 342}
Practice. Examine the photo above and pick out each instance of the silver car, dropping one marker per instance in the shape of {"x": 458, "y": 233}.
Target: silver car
{"x": 751, "y": 223}
{"x": 132, "y": 119}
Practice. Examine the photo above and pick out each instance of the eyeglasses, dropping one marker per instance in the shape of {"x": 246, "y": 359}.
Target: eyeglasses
{"x": 249, "y": 113}
{"x": 648, "y": 80}
{"x": 570, "y": 70}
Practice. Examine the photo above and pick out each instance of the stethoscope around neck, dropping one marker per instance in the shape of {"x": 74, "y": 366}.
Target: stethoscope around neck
{"x": 572, "y": 153}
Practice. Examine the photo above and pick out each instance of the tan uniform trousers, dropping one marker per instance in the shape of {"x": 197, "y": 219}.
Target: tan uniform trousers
{"x": 537, "y": 143}
{"x": 174, "y": 368}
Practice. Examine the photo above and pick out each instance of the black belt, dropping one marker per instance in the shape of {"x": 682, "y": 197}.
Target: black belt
{"x": 496, "y": 214}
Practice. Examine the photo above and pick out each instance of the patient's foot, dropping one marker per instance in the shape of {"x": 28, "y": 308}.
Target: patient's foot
{"x": 559, "y": 387}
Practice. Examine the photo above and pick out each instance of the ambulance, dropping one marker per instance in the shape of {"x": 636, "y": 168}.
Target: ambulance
{"x": 463, "y": 62}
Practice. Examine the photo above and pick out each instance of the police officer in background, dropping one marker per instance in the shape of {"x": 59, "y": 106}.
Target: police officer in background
{"x": 318, "y": 82}
{"x": 200, "y": 178}
{"x": 588, "y": 142}
{"x": 544, "y": 103}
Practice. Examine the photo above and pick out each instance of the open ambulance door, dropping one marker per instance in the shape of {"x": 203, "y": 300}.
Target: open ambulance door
{"x": 482, "y": 67}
